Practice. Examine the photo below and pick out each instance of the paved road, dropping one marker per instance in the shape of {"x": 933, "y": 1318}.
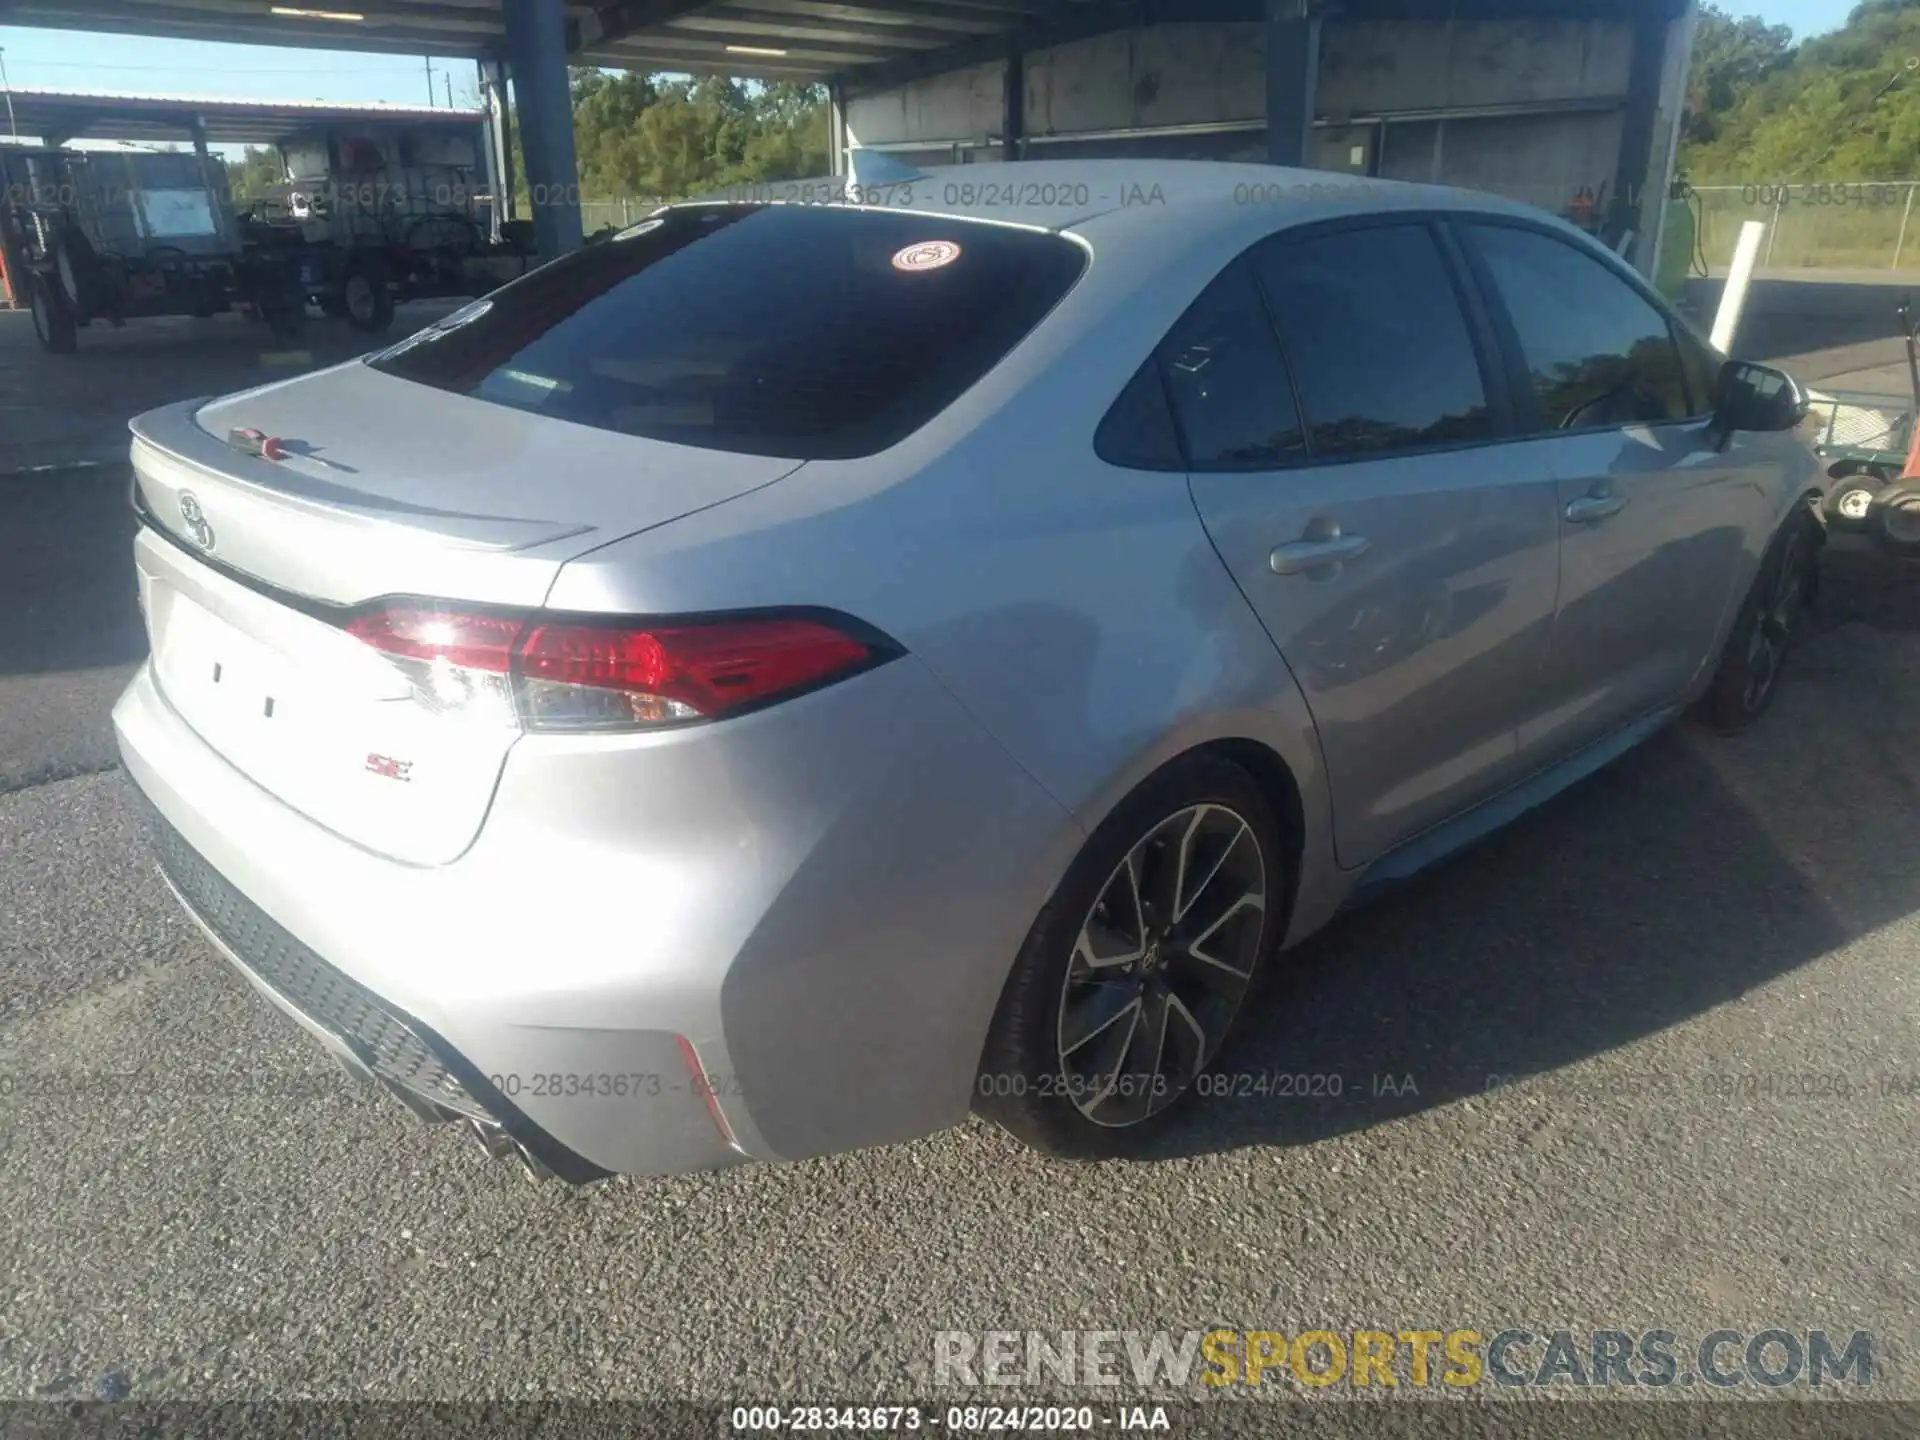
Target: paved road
{"x": 215, "y": 1213}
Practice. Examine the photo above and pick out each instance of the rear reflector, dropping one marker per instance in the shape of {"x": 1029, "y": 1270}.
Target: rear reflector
{"x": 594, "y": 676}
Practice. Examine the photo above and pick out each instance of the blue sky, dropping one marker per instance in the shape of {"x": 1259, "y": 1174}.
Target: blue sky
{"x": 1807, "y": 17}
{"x": 66, "y": 59}
{"x": 74, "y": 60}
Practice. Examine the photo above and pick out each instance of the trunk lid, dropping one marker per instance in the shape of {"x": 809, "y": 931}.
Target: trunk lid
{"x": 248, "y": 567}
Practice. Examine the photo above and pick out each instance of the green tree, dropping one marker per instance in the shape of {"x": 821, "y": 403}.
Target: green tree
{"x": 255, "y": 173}
{"x": 645, "y": 137}
{"x": 1836, "y": 107}
{"x": 1730, "y": 57}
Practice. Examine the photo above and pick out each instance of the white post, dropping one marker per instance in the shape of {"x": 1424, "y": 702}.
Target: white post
{"x": 1734, "y": 297}
{"x": 1901, "y": 243}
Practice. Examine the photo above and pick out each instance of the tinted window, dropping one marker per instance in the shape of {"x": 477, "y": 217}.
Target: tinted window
{"x": 1701, "y": 366}
{"x": 806, "y": 331}
{"x": 1228, "y": 382}
{"x": 1377, "y": 340}
{"x": 1600, "y": 354}
{"x": 1138, "y": 431}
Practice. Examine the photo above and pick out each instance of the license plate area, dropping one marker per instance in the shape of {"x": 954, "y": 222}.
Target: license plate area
{"x": 314, "y": 717}
{"x": 221, "y": 678}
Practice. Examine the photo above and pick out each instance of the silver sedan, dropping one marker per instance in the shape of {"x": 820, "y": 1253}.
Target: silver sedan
{"x": 791, "y": 674}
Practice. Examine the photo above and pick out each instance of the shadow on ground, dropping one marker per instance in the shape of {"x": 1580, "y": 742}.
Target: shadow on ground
{"x": 1794, "y": 837}
{"x": 67, "y": 588}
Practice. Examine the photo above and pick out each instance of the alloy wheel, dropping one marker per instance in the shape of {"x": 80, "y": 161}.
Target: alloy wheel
{"x": 1161, "y": 964}
{"x": 1773, "y": 625}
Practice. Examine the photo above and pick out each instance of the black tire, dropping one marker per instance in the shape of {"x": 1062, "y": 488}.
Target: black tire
{"x": 367, "y": 298}
{"x": 1748, "y": 676}
{"x": 333, "y": 305}
{"x": 1028, "y": 1085}
{"x": 77, "y": 274}
{"x": 52, "y": 320}
{"x": 287, "y": 319}
{"x": 1850, "y": 503}
{"x": 1896, "y": 526}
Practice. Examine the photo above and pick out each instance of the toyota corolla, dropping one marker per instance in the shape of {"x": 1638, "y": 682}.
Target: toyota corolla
{"x": 790, "y": 675}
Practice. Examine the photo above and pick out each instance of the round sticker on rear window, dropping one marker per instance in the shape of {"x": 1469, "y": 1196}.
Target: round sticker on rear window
{"x": 927, "y": 255}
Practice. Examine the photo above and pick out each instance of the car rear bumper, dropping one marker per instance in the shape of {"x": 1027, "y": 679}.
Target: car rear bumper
{"x": 776, "y": 938}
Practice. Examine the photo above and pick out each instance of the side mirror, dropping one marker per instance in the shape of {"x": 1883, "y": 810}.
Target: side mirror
{"x": 1757, "y": 397}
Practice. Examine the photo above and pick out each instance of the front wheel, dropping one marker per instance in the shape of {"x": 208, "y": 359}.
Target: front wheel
{"x": 1133, "y": 976}
{"x": 1749, "y": 672}
{"x": 52, "y": 320}
{"x": 287, "y": 319}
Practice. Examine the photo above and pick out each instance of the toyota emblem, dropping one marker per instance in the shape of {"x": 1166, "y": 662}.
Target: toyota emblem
{"x": 195, "y": 519}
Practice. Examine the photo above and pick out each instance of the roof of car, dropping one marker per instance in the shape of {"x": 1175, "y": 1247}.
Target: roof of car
{"x": 1077, "y": 194}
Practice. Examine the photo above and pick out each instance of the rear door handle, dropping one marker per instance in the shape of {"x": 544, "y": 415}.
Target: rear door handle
{"x": 1589, "y": 508}
{"x": 1302, "y": 556}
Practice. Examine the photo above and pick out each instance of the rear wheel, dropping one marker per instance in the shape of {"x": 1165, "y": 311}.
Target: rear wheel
{"x": 52, "y": 320}
{"x": 1749, "y": 673}
{"x": 1133, "y": 976}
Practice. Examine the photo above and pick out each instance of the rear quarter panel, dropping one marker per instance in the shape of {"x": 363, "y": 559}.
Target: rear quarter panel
{"x": 1077, "y": 610}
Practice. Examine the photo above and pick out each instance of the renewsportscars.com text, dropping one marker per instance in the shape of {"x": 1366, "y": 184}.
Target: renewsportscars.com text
{"x": 1515, "y": 1358}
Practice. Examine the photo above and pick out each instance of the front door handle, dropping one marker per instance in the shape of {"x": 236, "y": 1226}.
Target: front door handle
{"x": 1589, "y": 508}
{"x": 1303, "y": 556}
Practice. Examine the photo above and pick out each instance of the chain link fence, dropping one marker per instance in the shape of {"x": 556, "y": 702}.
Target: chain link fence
{"x": 1865, "y": 224}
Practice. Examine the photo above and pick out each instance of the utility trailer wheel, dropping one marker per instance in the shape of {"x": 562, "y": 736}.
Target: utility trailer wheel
{"x": 1851, "y": 501}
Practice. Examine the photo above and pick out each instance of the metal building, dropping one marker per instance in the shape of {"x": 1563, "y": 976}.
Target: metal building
{"x": 1570, "y": 104}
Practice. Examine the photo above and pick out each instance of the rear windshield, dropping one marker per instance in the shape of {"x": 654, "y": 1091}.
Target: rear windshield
{"x": 801, "y": 331}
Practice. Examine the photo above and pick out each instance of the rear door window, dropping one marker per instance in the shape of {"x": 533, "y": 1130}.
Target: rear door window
{"x": 1379, "y": 344}
{"x": 810, "y": 332}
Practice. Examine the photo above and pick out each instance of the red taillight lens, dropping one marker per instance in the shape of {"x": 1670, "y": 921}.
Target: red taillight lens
{"x": 665, "y": 673}
{"x": 473, "y": 642}
{"x": 610, "y": 677}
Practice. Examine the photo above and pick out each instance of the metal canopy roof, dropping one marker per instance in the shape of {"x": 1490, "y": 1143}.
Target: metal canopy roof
{"x": 62, "y": 115}
{"x": 768, "y": 39}
{"x": 870, "y": 43}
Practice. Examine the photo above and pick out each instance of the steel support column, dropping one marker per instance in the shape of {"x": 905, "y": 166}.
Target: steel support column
{"x": 1631, "y": 177}
{"x": 1293, "y": 79}
{"x": 537, "y": 57}
{"x": 493, "y": 95}
{"x": 837, "y": 127}
{"x": 1013, "y": 120}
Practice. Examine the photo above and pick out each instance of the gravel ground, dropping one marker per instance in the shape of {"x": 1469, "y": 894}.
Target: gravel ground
{"x": 201, "y": 1207}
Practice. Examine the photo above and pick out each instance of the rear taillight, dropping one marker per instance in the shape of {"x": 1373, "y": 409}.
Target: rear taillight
{"x": 549, "y": 673}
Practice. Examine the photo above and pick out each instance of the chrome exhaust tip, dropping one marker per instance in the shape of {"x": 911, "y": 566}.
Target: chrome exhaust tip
{"x": 499, "y": 1145}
